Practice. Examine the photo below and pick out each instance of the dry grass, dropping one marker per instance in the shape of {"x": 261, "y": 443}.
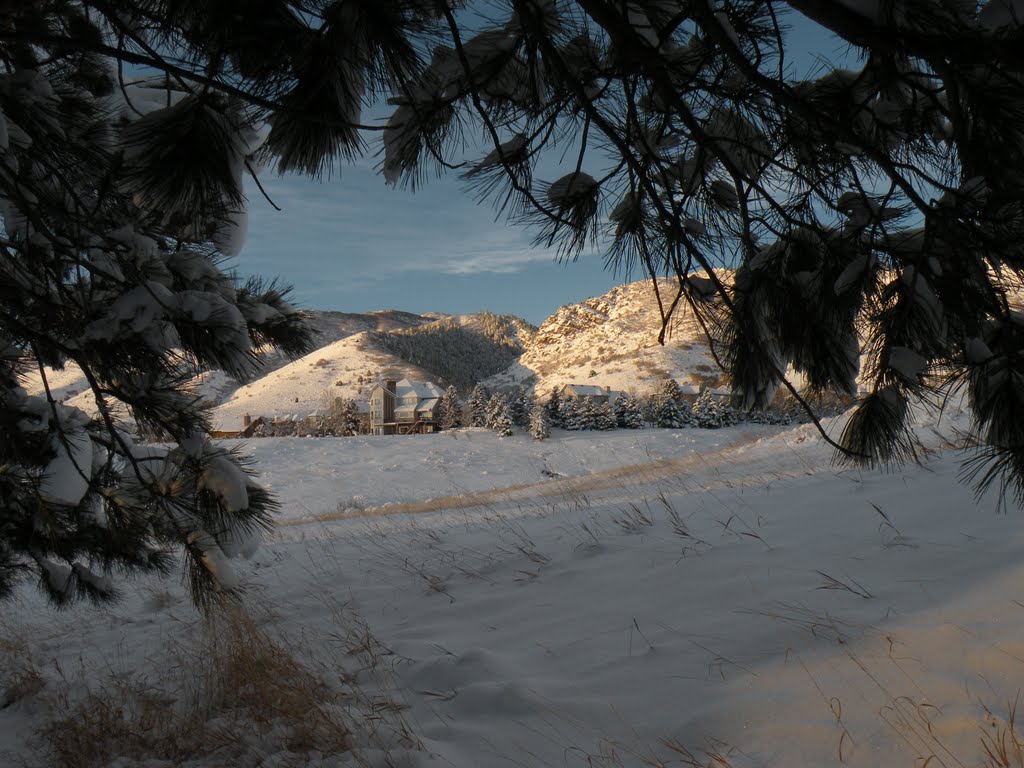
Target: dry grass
{"x": 633, "y": 519}
{"x": 20, "y": 683}
{"x": 1002, "y": 744}
{"x": 232, "y": 699}
{"x": 19, "y": 677}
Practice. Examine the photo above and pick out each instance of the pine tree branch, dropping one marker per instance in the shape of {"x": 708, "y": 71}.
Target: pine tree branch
{"x": 255, "y": 178}
{"x": 183, "y": 73}
{"x": 489, "y": 125}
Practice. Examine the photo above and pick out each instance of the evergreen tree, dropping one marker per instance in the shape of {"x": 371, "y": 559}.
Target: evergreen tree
{"x": 120, "y": 202}
{"x": 604, "y": 416}
{"x": 554, "y": 408}
{"x": 346, "y": 417}
{"x": 503, "y": 425}
{"x": 568, "y": 413}
{"x": 499, "y": 417}
{"x": 670, "y": 391}
{"x": 619, "y": 410}
{"x": 631, "y": 415}
{"x": 730, "y": 416}
{"x": 707, "y": 411}
{"x": 477, "y": 406}
{"x": 496, "y": 409}
{"x": 450, "y": 416}
{"x": 539, "y": 426}
{"x": 586, "y": 413}
{"x": 519, "y": 408}
{"x": 670, "y": 415}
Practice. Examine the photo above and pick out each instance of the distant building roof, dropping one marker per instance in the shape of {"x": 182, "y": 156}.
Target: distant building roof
{"x": 587, "y": 390}
{"x": 421, "y": 389}
{"x": 427, "y": 405}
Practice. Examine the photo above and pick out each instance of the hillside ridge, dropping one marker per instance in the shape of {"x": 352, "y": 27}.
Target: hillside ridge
{"x": 609, "y": 340}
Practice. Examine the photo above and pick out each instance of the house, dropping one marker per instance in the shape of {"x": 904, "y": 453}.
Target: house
{"x": 580, "y": 391}
{"x": 233, "y": 428}
{"x": 404, "y": 407}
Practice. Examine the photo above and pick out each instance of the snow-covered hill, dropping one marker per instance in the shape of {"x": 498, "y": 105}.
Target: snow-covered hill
{"x": 215, "y": 386}
{"x": 609, "y": 340}
{"x": 346, "y": 368}
{"x": 446, "y": 350}
{"x": 612, "y": 340}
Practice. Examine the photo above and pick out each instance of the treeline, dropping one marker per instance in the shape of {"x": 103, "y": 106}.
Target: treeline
{"x": 668, "y": 407}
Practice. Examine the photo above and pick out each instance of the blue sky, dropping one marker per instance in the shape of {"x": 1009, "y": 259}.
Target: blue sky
{"x": 352, "y": 243}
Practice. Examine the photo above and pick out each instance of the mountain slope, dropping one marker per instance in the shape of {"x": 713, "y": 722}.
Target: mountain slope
{"x": 449, "y": 351}
{"x": 609, "y": 340}
{"x": 214, "y": 387}
{"x": 612, "y": 340}
{"x": 463, "y": 349}
{"x": 346, "y": 368}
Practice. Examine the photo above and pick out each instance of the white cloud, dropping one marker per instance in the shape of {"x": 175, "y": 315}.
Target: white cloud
{"x": 478, "y": 248}
{"x": 496, "y": 261}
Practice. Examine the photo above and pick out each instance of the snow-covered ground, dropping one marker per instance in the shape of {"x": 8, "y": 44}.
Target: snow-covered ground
{"x": 314, "y": 477}
{"x": 618, "y": 599}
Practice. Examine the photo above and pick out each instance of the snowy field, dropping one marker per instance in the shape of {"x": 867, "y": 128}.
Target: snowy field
{"x": 313, "y": 477}
{"x": 712, "y": 598}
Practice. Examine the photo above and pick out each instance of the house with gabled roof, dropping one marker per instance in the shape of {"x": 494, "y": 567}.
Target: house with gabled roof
{"x": 580, "y": 391}
{"x": 239, "y": 426}
{"x": 404, "y": 407}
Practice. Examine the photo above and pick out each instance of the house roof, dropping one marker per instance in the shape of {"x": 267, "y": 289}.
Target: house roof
{"x": 427, "y": 405}
{"x": 586, "y": 390}
{"x": 421, "y": 389}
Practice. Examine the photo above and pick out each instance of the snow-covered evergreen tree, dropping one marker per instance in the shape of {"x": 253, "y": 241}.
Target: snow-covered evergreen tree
{"x": 345, "y": 416}
{"x": 619, "y": 410}
{"x": 499, "y": 417}
{"x": 604, "y": 416}
{"x": 121, "y": 198}
{"x": 496, "y": 408}
{"x": 539, "y": 426}
{"x": 554, "y": 407}
{"x": 519, "y": 408}
{"x": 730, "y": 415}
{"x": 708, "y": 413}
{"x": 631, "y": 416}
{"x": 568, "y": 413}
{"x": 670, "y": 415}
{"x": 586, "y": 413}
{"x": 477, "y": 406}
{"x": 450, "y": 410}
{"x": 670, "y": 391}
